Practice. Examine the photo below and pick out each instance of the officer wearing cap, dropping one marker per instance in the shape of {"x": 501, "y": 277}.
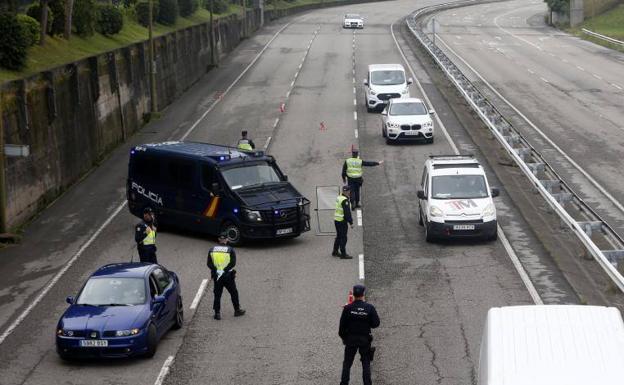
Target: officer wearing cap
{"x": 221, "y": 261}
{"x": 356, "y": 322}
{"x": 342, "y": 219}
{"x": 245, "y": 143}
{"x": 145, "y": 236}
{"x": 352, "y": 174}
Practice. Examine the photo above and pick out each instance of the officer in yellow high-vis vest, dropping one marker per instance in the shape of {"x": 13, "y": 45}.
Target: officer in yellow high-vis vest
{"x": 245, "y": 143}
{"x": 342, "y": 220}
{"x": 352, "y": 175}
{"x": 221, "y": 261}
{"x": 145, "y": 236}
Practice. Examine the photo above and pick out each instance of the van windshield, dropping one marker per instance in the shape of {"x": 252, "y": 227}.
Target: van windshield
{"x": 249, "y": 175}
{"x": 458, "y": 187}
{"x": 387, "y": 78}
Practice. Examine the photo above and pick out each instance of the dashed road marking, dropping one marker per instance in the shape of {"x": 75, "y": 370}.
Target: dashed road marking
{"x": 354, "y": 90}
{"x": 545, "y": 80}
{"x": 164, "y": 370}
{"x": 358, "y": 215}
{"x": 580, "y": 68}
{"x": 361, "y": 266}
{"x": 266, "y": 144}
{"x": 354, "y": 102}
{"x": 354, "y": 115}
{"x": 276, "y": 122}
{"x": 616, "y": 86}
{"x": 597, "y": 76}
{"x": 356, "y": 133}
{"x": 292, "y": 84}
{"x": 531, "y": 71}
{"x": 202, "y": 287}
{"x": 288, "y": 94}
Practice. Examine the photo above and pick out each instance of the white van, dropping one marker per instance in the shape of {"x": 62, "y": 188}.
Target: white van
{"x": 552, "y": 345}
{"x": 455, "y": 199}
{"x": 384, "y": 82}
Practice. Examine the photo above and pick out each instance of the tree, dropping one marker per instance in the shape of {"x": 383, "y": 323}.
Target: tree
{"x": 43, "y": 4}
{"x": 69, "y": 8}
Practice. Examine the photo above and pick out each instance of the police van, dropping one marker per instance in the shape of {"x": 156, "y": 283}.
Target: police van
{"x": 216, "y": 190}
{"x": 455, "y": 199}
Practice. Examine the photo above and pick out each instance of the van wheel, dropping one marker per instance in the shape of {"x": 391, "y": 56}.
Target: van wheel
{"x": 232, "y": 232}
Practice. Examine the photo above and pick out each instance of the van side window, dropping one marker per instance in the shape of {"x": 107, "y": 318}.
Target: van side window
{"x": 208, "y": 177}
{"x": 146, "y": 168}
{"x": 180, "y": 173}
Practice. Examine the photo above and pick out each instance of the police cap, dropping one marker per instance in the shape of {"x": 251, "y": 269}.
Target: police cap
{"x": 148, "y": 210}
{"x": 358, "y": 290}
{"x": 346, "y": 188}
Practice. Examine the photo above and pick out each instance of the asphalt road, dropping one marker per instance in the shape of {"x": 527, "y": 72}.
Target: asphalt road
{"x": 432, "y": 298}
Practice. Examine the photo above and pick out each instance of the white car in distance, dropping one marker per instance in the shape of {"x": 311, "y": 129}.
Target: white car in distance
{"x": 407, "y": 119}
{"x": 353, "y": 20}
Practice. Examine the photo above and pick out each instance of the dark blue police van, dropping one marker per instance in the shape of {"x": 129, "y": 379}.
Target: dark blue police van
{"x": 215, "y": 189}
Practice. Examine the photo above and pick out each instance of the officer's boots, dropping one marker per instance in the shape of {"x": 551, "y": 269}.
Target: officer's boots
{"x": 239, "y": 312}
{"x": 217, "y": 316}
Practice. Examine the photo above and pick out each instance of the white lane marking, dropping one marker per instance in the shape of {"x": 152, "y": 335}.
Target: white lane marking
{"x": 73, "y": 259}
{"x": 276, "y": 122}
{"x": 354, "y": 102}
{"x": 356, "y": 133}
{"x": 512, "y": 255}
{"x": 544, "y": 80}
{"x": 292, "y": 84}
{"x": 202, "y": 286}
{"x": 616, "y": 86}
{"x": 361, "y": 266}
{"x": 531, "y": 71}
{"x": 300, "y": 65}
{"x": 580, "y": 68}
{"x": 597, "y": 76}
{"x": 288, "y": 94}
{"x": 358, "y": 215}
{"x": 511, "y": 34}
{"x": 354, "y": 71}
{"x": 565, "y": 60}
{"x": 296, "y": 74}
{"x": 354, "y": 90}
{"x": 354, "y": 80}
{"x": 266, "y": 144}
{"x": 164, "y": 370}
{"x": 597, "y": 185}
{"x": 61, "y": 272}
{"x": 354, "y": 115}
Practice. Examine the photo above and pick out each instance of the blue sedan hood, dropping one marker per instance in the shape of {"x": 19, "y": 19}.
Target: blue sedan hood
{"x": 103, "y": 318}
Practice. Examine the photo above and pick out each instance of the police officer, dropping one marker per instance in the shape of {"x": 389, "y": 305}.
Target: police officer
{"x": 221, "y": 261}
{"x": 244, "y": 143}
{"x": 342, "y": 219}
{"x": 356, "y": 322}
{"x": 145, "y": 236}
{"x": 352, "y": 173}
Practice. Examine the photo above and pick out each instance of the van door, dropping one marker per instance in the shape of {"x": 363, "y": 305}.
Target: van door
{"x": 182, "y": 183}
{"x": 211, "y": 201}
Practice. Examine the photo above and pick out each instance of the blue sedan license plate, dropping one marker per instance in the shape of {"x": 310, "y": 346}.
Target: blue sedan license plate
{"x": 93, "y": 343}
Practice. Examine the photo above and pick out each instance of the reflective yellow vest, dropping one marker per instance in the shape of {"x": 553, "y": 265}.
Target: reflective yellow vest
{"x": 220, "y": 257}
{"x": 243, "y": 144}
{"x": 150, "y": 239}
{"x": 339, "y": 214}
{"x": 354, "y": 167}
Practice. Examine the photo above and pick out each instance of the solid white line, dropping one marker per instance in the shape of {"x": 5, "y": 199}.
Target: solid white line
{"x": 73, "y": 259}
{"x": 354, "y": 115}
{"x": 512, "y": 255}
{"x": 356, "y": 133}
{"x": 266, "y": 144}
{"x": 358, "y": 213}
{"x": 361, "y": 266}
{"x": 276, "y": 122}
{"x": 202, "y": 286}
{"x": 164, "y": 370}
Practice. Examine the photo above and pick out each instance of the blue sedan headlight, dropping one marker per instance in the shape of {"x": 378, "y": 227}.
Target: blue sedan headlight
{"x": 127, "y": 333}
{"x": 64, "y": 333}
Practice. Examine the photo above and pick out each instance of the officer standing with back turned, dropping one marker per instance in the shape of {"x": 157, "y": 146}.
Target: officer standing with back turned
{"x": 352, "y": 173}
{"x": 356, "y": 322}
{"x": 245, "y": 143}
{"x": 221, "y": 261}
{"x": 342, "y": 220}
{"x": 145, "y": 236}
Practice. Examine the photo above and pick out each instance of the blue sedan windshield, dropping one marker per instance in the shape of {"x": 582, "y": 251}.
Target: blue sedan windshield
{"x": 113, "y": 292}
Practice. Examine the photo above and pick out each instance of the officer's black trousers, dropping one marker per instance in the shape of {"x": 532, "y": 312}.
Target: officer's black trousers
{"x": 230, "y": 285}
{"x": 147, "y": 253}
{"x": 355, "y": 184}
{"x": 341, "y": 237}
{"x": 349, "y": 356}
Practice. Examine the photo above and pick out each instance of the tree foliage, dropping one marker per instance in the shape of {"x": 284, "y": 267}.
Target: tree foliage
{"x": 168, "y": 12}
{"x": 13, "y": 42}
{"x": 34, "y": 11}
{"x": 142, "y": 12}
{"x": 57, "y": 26}
{"x": 559, "y": 6}
{"x": 31, "y": 28}
{"x": 84, "y": 17}
{"x": 187, "y": 7}
{"x": 109, "y": 19}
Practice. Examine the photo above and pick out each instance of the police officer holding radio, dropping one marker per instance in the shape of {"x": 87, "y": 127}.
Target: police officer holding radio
{"x": 352, "y": 173}
{"x": 342, "y": 219}
{"x": 221, "y": 261}
{"x": 145, "y": 236}
{"x": 245, "y": 143}
{"x": 356, "y": 322}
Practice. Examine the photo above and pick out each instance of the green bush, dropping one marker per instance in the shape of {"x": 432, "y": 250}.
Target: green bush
{"x": 561, "y": 6}
{"x": 13, "y": 42}
{"x": 34, "y": 11}
{"x": 220, "y": 6}
{"x": 168, "y": 12}
{"x": 187, "y": 7}
{"x": 31, "y": 28}
{"x": 109, "y": 19}
{"x": 142, "y": 12}
{"x": 84, "y": 16}
{"x": 57, "y": 26}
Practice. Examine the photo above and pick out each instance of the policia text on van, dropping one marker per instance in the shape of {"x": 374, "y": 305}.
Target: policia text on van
{"x": 215, "y": 189}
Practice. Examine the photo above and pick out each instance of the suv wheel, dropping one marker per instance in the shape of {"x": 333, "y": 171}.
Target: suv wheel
{"x": 383, "y": 131}
{"x": 232, "y": 232}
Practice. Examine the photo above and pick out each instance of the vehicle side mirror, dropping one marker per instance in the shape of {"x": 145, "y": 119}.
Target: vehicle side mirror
{"x": 421, "y": 194}
{"x": 431, "y": 112}
{"x": 384, "y": 112}
{"x": 495, "y": 192}
{"x": 158, "y": 299}
{"x": 70, "y": 299}
{"x": 285, "y": 178}
{"x": 365, "y": 82}
{"x": 216, "y": 187}
{"x": 410, "y": 81}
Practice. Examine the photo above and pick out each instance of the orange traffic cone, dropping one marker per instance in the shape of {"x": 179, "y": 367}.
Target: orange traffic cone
{"x": 349, "y": 298}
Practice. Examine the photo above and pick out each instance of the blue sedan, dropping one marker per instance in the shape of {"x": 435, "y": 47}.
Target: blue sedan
{"x": 122, "y": 310}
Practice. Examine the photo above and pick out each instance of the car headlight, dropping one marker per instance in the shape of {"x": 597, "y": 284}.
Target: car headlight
{"x": 489, "y": 210}
{"x": 435, "y": 212}
{"x": 127, "y": 333}
{"x": 392, "y": 125}
{"x": 253, "y": 216}
{"x": 373, "y": 92}
{"x": 65, "y": 333}
{"x": 428, "y": 125}
{"x": 406, "y": 91}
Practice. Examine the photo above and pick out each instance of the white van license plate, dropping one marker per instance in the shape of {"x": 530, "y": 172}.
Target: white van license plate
{"x": 284, "y": 231}
{"x": 93, "y": 343}
{"x": 463, "y": 227}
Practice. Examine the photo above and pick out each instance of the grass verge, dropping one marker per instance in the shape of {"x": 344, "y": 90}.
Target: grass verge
{"x": 610, "y": 24}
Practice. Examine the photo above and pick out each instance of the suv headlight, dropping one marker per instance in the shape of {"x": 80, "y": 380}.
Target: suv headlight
{"x": 406, "y": 91}
{"x": 392, "y": 125}
{"x": 435, "y": 212}
{"x": 253, "y": 216}
{"x": 127, "y": 333}
{"x": 428, "y": 125}
{"x": 489, "y": 210}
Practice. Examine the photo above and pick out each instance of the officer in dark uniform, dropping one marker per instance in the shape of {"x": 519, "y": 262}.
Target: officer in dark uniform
{"x": 342, "y": 220}
{"x": 356, "y": 322}
{"x": 352, "y": 174}
{"x": 145, "y": 236}
{"x": 221, "y": 261}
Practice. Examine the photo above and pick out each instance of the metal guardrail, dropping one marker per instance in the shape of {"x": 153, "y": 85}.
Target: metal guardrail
{"x": 544, "y": 178}
{"x": 602, "y": 37}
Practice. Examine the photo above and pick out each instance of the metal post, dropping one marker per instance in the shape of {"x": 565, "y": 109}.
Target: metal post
{"x": 152, "y": 64}
{"x": 213, "y": 54}
{"x": 244, "y": 29}
{"x": 434, "y": 23}
{"x": 3, "y": 221}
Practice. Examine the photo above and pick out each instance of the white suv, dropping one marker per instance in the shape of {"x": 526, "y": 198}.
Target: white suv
{"x": 352, "y": 20}
{"x": 385, "y": 82}
{"x": 407, "y": 119}
{"x": 455, "y": 199}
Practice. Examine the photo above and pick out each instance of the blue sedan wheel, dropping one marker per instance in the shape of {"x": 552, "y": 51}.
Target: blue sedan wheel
{"x": 152, "y": 341}
{"x": 179, "y": 316}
